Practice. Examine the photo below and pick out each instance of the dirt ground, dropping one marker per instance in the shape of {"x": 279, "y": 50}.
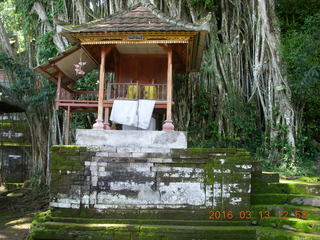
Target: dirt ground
{"x": 15, "y": 228}
{"x": 17, "y": 209}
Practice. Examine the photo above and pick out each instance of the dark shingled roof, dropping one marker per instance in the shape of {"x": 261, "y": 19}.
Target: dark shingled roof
{"x": 140, "y": 17}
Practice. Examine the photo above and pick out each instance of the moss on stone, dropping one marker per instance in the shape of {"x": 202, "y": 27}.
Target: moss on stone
{"x": 288, "y": 188}
{"x": 15, "y": 144}
{"x": 272, "y": 198}
{"x": 61, "y": 161}
{"x": 267, "y": 233}
{"x": 209, "y": 173}
{"x": 310, "y": 213}
{"x": 307, "y": 226}
{"x": 309, "y": 179}
{"x": 61, "y": 230}
{"x": 12, "y": 185}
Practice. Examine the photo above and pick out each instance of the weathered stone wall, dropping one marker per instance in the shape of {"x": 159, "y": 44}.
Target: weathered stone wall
{"x": 14, "y": 148}
{"x": 13, "y": 164}
{"x": 103, "y": 179}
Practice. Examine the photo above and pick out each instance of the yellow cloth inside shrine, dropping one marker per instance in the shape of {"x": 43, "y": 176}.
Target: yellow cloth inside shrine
{"x": 150, "y": 92}
{"x": 132, "y": 91}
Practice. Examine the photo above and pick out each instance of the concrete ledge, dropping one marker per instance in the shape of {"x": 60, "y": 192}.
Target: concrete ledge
{"x": 136, "y": 139}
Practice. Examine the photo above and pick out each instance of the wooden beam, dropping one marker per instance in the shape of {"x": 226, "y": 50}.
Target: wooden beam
{"x": 58, "y": 89}
{"x": 99, "y": 121}
{"x": 106, "y": 119}
{"x": 168, "y": 126}
{"x": 68, "y": 126}
{"x": 169, "y": 85}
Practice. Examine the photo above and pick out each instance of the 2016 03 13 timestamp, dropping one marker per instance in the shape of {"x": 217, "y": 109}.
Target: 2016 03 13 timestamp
{"x": 263, "y": 214}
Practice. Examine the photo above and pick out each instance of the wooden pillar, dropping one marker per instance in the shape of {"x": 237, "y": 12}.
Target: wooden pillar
{"x": 66, "y": 140}
{"x": 168, "y": 125}
{"x": 99, "y": 121}
{"x": 106, "y": 119}
{"x": 58, "y": 95}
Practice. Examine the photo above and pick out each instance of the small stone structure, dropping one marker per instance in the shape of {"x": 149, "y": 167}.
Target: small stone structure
{"x": 136, "y": 139}
{"x": 124, "y": 178}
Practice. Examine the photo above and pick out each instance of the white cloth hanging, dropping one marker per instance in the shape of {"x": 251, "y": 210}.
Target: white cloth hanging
{"x": 132, "y": 113}
{"x": 124, "y": 112}
{"x": 145, "y": 109}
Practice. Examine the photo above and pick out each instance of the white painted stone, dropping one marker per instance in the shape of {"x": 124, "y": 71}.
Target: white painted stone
{"x": 100, "y": 148}
{"x": 94, "y": 181}
{"x": 244, "y": 166}
{"x": 235, "y": 200}
{"x": 53, "y": 204}
{"x": 102, "y": 154}
{"x": 85, "y": 199}
{"x": 64, "y": 205}
{"x": 104, "y": 174}
{"x": 155, "y": 150}
{"x": 75, "y": 206}
{"x": 93, "y": 198}
{"x": 312, "y": 201}
{"x": 128, "y": 149}
{"x": 120, "y": 154}
{"x": 182, "y": 193}
{"x": 222, "y": 161}
{"x": 102, "y": 164}
{"x": 145, "y": 139}
{"x": 160, "y": 160}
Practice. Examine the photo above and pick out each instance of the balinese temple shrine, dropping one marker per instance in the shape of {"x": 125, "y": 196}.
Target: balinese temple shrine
{"x": 142, "y": 49}
{"x": 139, "y": 181}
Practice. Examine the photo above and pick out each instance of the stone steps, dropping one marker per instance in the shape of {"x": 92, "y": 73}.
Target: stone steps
{"x": 194, "y": 215}
{"x": 268, "y": 233}
{"x": 297, "y": 203}
{"x": 278, "y": 199}
{"x": 71, "y": 231}
{"x": 293, "y": 224}
{"x": 312, "y": 213}
{"x": 289, "y": 188}
{"x": 150, "y": 221}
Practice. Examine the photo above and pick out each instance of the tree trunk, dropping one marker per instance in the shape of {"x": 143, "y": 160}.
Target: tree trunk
{"x": 57, "y": 39}
{"x": 5, "y": 40}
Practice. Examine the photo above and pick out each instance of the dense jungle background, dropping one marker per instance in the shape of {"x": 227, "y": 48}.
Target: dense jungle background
{"x": 258, "y": 87}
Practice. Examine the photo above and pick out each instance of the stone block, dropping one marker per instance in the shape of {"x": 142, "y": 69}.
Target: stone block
{"x": 132, "y": 139}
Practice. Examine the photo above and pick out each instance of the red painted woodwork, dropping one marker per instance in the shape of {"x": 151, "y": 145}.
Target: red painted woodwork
{"x": 142, "y": 68}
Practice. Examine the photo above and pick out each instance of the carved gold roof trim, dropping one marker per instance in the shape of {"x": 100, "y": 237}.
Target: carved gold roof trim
{"x": 124, "y": 38}
{"x": 133, "y": 42}
{"x": 145, "y": 33}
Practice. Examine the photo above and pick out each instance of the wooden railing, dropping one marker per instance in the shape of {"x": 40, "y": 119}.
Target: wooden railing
{"x": 85, "y": 95}
{"x": 117, "y": 91}
{"x": 136, "y": 91}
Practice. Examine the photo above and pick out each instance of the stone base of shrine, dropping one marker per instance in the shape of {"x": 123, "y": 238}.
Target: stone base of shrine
{"x": 133, "y": 139}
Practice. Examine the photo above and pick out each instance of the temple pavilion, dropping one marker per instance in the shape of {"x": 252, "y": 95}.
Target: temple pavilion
{"x": 141, "y": 46}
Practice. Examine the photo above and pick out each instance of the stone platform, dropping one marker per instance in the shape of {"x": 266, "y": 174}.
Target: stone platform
{"x": 135, "y": 193}
{"x": 133, "y": 138}
{"x": 109, "y": 178}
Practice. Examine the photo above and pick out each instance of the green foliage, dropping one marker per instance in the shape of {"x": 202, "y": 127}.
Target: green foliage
{"x": 292, "y": 13}
{"x": 89, "y": 82}
{"x": 239, "y": 117}
{"x": 12, "y": 21}
{"x": 30, "y": 22}
{"x": 46, "y": 48}
{"x": 27, "y": 89}
{"x": 301, "y": 54}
